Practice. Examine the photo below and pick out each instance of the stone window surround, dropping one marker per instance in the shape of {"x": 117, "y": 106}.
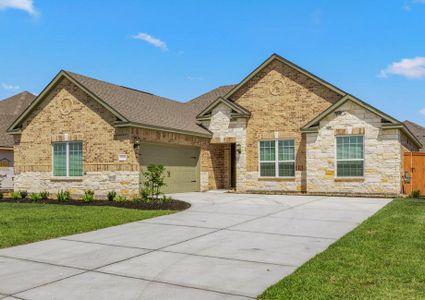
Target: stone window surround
{"x": 349, "y": 178}
{"x": 276, "y": 177}
{"x": 67, "y": 177}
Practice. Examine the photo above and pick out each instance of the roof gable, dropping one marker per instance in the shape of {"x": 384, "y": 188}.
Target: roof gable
{"x": 237, "y": 110}
{"x": 389, "y": 122}
{"x": 62, "y": 74}
{"x": 274, "y": 57}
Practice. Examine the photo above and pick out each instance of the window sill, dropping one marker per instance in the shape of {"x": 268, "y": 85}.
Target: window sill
{"x": 59, "y": 178}
{"x": 349, "y": 179}
{"x": 276, "y": 178}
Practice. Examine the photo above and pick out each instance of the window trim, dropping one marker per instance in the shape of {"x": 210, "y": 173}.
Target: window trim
{"x": 355, "y": 159}
{"x": 67, "y": 176}
{"x": 276, "y": 161}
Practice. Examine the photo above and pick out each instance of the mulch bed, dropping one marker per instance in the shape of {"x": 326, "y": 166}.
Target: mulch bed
{"x": 171, "y": 205}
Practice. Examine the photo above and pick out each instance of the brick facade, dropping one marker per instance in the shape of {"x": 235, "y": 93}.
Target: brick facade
{"x": 69, "y": 111}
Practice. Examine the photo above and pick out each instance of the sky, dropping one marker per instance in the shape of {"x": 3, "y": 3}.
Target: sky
{"x": 374, "y": 50}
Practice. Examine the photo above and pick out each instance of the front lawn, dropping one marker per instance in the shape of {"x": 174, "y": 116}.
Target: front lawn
{"x": 25, "y": 223}
{"x": 384, "y": 258}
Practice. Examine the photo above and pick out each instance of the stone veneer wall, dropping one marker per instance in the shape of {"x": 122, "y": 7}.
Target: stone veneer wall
{"x": 382, "y": 158}
{"x": 281, "y": 101}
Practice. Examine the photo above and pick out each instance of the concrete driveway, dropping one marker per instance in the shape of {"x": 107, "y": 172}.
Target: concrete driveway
{"x": 226, "y": 246}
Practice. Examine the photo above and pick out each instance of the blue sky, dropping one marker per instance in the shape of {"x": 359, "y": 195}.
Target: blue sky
{"x": 374, "y": 50}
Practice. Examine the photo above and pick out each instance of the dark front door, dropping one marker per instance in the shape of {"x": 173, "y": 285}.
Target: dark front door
{"x": 233, "y": 166}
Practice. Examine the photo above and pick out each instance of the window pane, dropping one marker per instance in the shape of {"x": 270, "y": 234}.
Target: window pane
{"x": 287, "y": 169}
{"x": 267, "y": 169}
{"x": 59, "y": 159}
{"x": 267, "y": 150}
{"x": 349, "y": 147}
{"x": 75, "y": 159}
{"x": 286, "y": 150}
{"x": 349, "y": 168}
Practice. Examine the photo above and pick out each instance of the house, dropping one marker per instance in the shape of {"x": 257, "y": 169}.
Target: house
{"x": 281, "y": 129}
{"x": 418, "y": 131}
{"x": 10, "y": 109}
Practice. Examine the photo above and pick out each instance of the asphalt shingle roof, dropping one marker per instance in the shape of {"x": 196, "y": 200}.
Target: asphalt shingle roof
{"x": 418, "y": 131}
{"x": 148, "y": 109}
{"x": 10, "y": 109}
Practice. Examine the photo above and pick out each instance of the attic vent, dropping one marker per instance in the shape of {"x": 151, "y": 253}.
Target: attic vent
{"x": 339, "y": 113}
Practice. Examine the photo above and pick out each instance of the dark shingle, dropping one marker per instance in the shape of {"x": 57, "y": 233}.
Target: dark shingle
{"x": 10, "y": 109}
{"x": 418, "y": 131}
{"x": 148, "y": 109}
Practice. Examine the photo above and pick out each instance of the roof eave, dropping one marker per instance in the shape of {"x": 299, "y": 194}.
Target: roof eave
{"x": 48, "y": 88}
{"x": 290, "y": 64}
{"x": 161, "y": 128}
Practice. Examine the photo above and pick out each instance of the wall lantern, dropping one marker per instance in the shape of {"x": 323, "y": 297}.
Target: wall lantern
{"x": 238, "y": 148}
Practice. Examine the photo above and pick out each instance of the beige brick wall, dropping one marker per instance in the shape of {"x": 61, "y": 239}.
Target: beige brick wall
{"x": 382, "y": 158}
{"x": 281, "y": 101}
{"x": 89, "y": 122}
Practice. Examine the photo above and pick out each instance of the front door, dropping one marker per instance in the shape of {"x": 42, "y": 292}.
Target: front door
{"x": 233, "y": 166}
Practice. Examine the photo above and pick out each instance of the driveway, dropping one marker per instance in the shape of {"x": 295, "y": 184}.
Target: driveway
{"x": 226, "y": 246}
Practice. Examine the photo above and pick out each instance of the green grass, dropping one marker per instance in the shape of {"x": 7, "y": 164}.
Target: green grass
{"x": 25, "y": 223}
{"x": 384, "y": 258}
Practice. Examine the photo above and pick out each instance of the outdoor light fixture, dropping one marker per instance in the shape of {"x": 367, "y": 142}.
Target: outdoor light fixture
{"x": 238, "y": 148}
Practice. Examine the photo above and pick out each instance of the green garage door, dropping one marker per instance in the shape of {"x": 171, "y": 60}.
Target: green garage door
{"x": 181, "y": 165}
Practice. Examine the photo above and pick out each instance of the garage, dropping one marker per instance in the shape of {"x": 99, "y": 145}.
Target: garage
{"x": 181, "y": 165}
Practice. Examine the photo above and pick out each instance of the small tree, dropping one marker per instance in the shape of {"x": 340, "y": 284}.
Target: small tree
{"x": 154, "y": 181}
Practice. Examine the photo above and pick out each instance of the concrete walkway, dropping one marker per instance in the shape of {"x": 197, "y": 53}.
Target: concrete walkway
{"x": 226, "y": 246}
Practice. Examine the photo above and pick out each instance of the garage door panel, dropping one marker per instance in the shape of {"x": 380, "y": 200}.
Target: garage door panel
{"x": 181, "y": 165}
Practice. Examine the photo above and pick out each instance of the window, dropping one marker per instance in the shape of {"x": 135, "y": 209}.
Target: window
{"x": 68, "y": 159}
{"x": 277, "y": 158}
{"x": 349, "y": 156}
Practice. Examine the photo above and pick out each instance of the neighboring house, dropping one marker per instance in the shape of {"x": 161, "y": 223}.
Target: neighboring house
{"x": 418, "y": 131}
{"x": 10, "y": 109}
{"x": 281, "y": 129}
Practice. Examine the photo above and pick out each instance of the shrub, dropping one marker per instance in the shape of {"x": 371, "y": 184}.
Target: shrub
{"x": 44, "y": 195}
{"x": 88, "y": 196}
{"x": 63, "y": 196}
{"x": 111, "y": 195}
{"x": 154, "y": 181}
{"x": 24, "y": 194}
{"x": 16, "y": 195}
{"x": 415, "y": 194}
{"x": 35, "y": 197}
{"x": 1, "y": 195}
{"x": 166, "y": 199}
{"x": 119, "y": 198}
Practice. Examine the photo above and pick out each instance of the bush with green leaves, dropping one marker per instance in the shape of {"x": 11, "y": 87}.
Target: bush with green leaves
{"x": 119, "y": 198}
{"x": 154, "y": 181}
{"x": 111, "y": 195}
{"x": 35, "y": 197}
{"x": 63, "y": 196}
{"x": 415, "y": 194}
{"x": 88, "y": 196}
{"x": 1, "y": 195}
{"x": 24, "y": 194}
{"x": 16, "y": 195}
{"x": 44, "y": 195}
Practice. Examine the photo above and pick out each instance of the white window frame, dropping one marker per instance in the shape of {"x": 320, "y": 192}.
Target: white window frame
{"x": 67, "y": 159}
{"x": 352, "y": 159}
{"x": 276, "y": 161}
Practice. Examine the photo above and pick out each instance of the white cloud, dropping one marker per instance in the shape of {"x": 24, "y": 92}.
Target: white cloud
{"x": 422, "y": 111}
{"x": 407, "y": 67}
{"x": 151, "y": 40}
{"x": 25, "y": 5}
{"x": 7, "y": 86}
{"x": 407, "y": 6}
